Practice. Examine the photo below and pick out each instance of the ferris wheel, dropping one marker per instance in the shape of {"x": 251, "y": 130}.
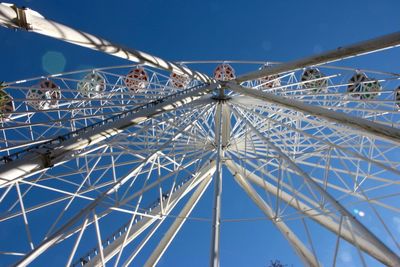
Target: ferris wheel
{"x": 102, "y": 166}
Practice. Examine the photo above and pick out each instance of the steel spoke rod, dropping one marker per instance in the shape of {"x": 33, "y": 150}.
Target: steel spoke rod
{"x": 373, "y": 45}
{"x": 30, "y": 20}
{"x": 48, "y": 155}
{"x": 392, "y": 258}
{"x": 360, "y": 125}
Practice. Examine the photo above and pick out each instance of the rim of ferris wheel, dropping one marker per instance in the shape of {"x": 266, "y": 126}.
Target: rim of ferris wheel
{"x": 270, "y": 81}
{"x": 44, "y": 95}
{"x": 362, "y": 87}
{"x": 136, "y": 79}
{"x": 6, "y": 103}
{"x": 92, "y": 85}
{"x": 357, "y": 49}
{"x": 224, "y": 72}
{"x": 24, "y": 18}
{"x": 314, "y": 80}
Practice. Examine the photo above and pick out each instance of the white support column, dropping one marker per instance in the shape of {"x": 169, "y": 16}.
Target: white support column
{"x": 306, "y": 256}
{"x": 216, "y": 220}
{"x": 376, "y": 44}
{"x": 360, "y": 125}
{"x": 27, "y": 19}
{"x": 177, "y": 224}
{"x": 42, "y": 158}
{"x": 310, "y": 211}
{"x": 392, "y": 257}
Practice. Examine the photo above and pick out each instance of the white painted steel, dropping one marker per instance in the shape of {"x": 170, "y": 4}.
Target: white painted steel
{"x": 42, "y": 158}
{"x": 27, "y": 19}
{"x": 324, "y": 220}
{"x": 307, "y": 257}
{"x": 393, "y": 259}
{"x": 369, "y": 46}
{"x": 216, "y": 218}
{"x": 177, "y": 224}
{"x": 216, "y": 136}
{"x": 360, "y": 125}
{"x": 111, "y": 250}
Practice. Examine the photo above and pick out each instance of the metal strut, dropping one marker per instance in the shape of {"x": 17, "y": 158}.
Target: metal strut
{"x": 369, "y": 46}
{"x": 391, "y": 257}
{"x": 216, "y": 220}
{"x": 27, "y": 19}
{"x": 60, "y": 150}
{"x": 360, "y": 125}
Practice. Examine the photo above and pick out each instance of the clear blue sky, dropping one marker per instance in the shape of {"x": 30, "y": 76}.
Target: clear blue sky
{"x": 279, "y": 30}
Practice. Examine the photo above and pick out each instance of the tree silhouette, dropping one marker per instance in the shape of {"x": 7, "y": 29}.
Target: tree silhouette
{"x": 276, "y": 263}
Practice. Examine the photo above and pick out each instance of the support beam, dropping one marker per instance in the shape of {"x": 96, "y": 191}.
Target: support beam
{"x": 373, "y": 45}
{"x": 177, "y": 224}
{"x": 306, "y": 256}
{"x": 246, "y": 101}
{"x": 359, "y": 125}
{"x": 61, "y": 231}
{"x": 393, "y": 259}
{"x": 29, "y": 20}
{"x": 216, "y": 219}
{"x": 310, "y": 211}
{"x": 49, "y": 155}
{"x": 111, "y": 250}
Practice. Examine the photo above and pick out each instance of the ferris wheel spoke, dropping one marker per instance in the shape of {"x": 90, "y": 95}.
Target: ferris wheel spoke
{"x": 391, "y": 166}
{"x": 306, "y": 256}
{"x": 370, "y": 236}
{"x": 147, "y": 188}
{"x": 113, "y": 248}
{"x": 177, "y": 224}
{"x": 342, "y": 186}
{"x": 36, "y": 23}
{"x": 58, "y": 234}
{"x": 324, "y": 217}
{"x": 15, "y": 169}
{"x": 361, "y": 126}
{"x": 370, "y": 46}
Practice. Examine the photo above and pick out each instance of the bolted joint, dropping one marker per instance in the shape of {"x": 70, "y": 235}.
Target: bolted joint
{"x": 45, "y": 154}
{"x": 19, "y": 21}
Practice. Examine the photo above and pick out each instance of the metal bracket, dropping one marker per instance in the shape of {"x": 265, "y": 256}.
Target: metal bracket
{"x": 20, "y": 20}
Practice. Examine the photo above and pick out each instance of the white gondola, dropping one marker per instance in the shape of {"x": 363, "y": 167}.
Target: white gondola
{"x": 313, "y": 79}
{"x": 44, "y": 96}
{"x": 92, "y": 85}
{"x": 224, "y": 72}
{"x": 179, "y": 80}
{"x": 136, "y": 79}
{"x": 366, "y": 87}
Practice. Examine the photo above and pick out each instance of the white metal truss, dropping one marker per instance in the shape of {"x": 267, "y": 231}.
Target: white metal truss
{"x": 109, "y": 160}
